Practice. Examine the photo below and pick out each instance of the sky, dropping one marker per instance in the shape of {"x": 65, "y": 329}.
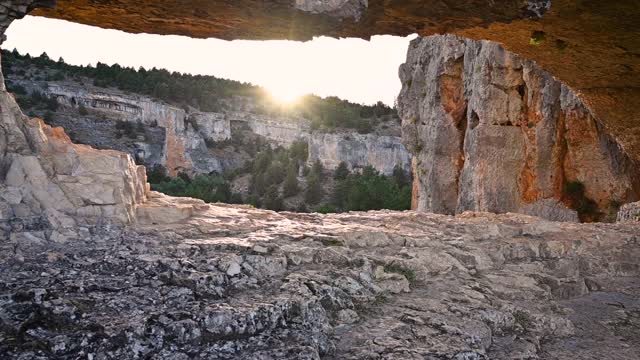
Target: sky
{"x": 353, "y": 69}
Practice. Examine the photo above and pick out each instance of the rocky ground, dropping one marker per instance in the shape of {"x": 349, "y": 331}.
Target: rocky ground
{"x": 233, "y": 282}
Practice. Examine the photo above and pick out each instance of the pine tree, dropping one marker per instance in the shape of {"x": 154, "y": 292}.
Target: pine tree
{"x": 342, "y": 171}
{"x": 290, "y": 187}
{"x": 317, "y": 169}
{"x": 314, "y": 192}
{"x": 272, "y": 199}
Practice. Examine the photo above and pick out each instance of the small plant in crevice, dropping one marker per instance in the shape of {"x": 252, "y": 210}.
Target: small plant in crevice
{"x": 408, "y": 273}
{"x": 522, "y": 319}
{"x": 82, "y": 110}
{"x": 612, "y": 211}
{"x": 537, "y": 38}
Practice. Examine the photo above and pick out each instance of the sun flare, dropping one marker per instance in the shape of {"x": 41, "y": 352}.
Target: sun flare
{"x": 285, "y": 94}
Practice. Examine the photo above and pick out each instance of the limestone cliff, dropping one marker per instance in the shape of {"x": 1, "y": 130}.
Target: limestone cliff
{"x": 493, "y": 132}
{"x": 193, "y": 141}
{"x": 358, "y": 150}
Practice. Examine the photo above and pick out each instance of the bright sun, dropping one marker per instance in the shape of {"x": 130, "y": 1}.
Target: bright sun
{"x": 285, "y": 94}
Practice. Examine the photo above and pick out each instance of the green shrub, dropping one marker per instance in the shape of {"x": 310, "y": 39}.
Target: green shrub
{"x": 290, "y": 186}
{"x": 537, "y": 37}
{"x": 342, "y": 171}
{"x": 326, "y": 209}
{"x": 157, "y": 174}
{"x": 314, "y": 192}
{"x": 127, "y": 128}
{"x": 272, "y": 199}
{"x": 408, "y": 273}
{"x": 82, "y": 110}
{"x": 48, "y": 118}
{"x": 371, "y": 191}
{"x": 210, "y": 188}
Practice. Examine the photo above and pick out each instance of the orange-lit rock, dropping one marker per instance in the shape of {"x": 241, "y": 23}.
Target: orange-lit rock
{"x": 492, "y": 131}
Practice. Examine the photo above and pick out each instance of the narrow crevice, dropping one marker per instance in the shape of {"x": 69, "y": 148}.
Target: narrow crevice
{"x": 461, "y": 125}
{"x": 474, "y": 120}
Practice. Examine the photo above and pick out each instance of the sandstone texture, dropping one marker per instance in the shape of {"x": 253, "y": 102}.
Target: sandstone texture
{"x": 295, "y": 19}
{"x": 491, "y": 131}
{"x": 234, "y": 282}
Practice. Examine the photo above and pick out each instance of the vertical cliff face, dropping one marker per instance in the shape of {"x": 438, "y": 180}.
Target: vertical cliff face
{"x": 493, "y": 132}
{"x": 383, "y": 153}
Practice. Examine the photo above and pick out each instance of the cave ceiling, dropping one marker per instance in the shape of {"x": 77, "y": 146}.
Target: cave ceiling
{"x": 592, "y": 45}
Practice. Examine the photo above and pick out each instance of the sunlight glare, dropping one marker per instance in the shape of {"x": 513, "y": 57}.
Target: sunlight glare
{"x": 285, "y": 94}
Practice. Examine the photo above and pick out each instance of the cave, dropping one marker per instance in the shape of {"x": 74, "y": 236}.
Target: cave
{"x": 492, "y": 261}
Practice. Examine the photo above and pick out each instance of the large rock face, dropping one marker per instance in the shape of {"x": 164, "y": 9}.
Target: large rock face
{"x": 493, "y": 132}
{"x": 295, "y": 20}
{"x": 54, "y": 187}
{"x": 383, "y": 153}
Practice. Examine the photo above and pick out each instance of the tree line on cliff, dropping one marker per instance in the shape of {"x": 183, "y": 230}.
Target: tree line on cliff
{"x": 206, "y": 93}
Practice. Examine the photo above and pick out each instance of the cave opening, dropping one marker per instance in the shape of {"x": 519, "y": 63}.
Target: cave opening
{"x": 270, "y": 123}
{"x": 94, "y": 265}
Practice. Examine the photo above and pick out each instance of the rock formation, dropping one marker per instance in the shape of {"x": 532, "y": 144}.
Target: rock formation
{"x": 629, "y": 212}
{"x": 383, "y": 153}
{"x": 295, "y": 20}
{"x": 491, "y": 131}
{"x": 52, "y": 187}
{"x": 179, "y": 139}
{"x": 191, "y": 280}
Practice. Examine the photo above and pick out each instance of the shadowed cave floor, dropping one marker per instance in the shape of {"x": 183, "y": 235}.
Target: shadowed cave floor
{"x": 235, "y": 282}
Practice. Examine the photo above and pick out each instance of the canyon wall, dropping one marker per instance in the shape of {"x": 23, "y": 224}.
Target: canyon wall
{"x": 187, "y": 141}
{"x": 493, "y": 132}
{"x": 180, "y": 141}
{"x": 282, "y": 130}
{"x": 383, "y": 153}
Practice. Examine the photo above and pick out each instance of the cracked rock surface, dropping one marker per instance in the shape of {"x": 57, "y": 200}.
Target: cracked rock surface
{"x": 234, "y": 282}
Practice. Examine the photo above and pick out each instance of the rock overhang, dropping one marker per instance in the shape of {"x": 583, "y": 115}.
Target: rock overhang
{"x": 591, "y": 46}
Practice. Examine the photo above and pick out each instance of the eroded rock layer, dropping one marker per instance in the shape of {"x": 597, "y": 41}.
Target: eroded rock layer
{"x": 295, "y": 20}
{"x": 491, "y": 131}
{"x": 234, "y": 282}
